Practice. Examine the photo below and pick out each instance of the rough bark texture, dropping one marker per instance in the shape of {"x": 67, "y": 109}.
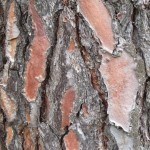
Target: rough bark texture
{"x": 74, "y": 74}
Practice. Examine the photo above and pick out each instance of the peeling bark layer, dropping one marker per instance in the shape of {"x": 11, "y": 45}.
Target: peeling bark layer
{"x": 12, "y": 33}
{"x": 71, "y": 141}
{"x": 74, "y": 75}
{"x": 122, "y": 85}
{"x": 66, "y": 107}
{"x": 8, "y": 105}
{"x": 35, "y": 70}
{"x": 98, "y": 17}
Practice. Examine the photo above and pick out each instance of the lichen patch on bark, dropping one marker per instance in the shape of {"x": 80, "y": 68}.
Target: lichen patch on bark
{"x": 99, "y": 19}
{"x": 122, "y": 85}
{"x": 67, "y": 106}
{"x": 71, "y": 141}
{"x": 35, "y": 70}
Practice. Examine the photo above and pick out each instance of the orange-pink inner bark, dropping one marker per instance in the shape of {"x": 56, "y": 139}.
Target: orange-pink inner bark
{"x": 71, "y": 45}
{"x": 98, "y": 17}
{"x": 12, "y": 43}
{"x": 9, "y": 136}
{"x": 35, "y": 71}
{"x": 71, "y": 142}
{"x": 66, "y": 106}
{"x": 122, "y": 85}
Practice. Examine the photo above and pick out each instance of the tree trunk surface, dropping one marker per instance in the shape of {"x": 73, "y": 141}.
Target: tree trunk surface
{"x": 74, "y": 74}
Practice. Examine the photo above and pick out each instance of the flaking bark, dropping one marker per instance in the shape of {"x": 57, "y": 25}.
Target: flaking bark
{"x": 74, "y": 74}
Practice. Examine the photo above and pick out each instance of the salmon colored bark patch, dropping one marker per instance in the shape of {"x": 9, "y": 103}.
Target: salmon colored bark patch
{"x": 85, "y": 109}
{"x": 65, "y": 1}
{"x": 8, "y": 105}
{"x": 35, "y": 70}
{"x": 122, "y": 85}
{"x": 28, "y": 143}
{"x": 64, "y": 19}
{"x": 71, "y": 141}
{"x": 71, "y": 46}
{"x": 9, "y": 136}
{"x": 12, "y": 33}
{"x": 66, "y": 106}
{"x": 98, "y": 17}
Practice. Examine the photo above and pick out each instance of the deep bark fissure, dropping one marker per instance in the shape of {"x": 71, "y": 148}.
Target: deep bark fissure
{"x": 48, "y": 67}
{"x": 62, "y": 136}
{"x": 22, "y": 24}
{"x": 95, "y": 83}
{"x": 3, "y": 129}
{"x": 144, "y": 112}
{"x": 144, "y": 105}
{"x": 3, "y": 59}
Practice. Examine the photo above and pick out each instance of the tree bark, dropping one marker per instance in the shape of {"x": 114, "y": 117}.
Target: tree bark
{"x": 74, "y": 74}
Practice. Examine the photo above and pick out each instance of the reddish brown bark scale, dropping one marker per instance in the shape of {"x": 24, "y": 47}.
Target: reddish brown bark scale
{"x": 28, "y": 143}
{"x": 12, "y": 33}
{"x": 66, "y": 106}
{"x": 8, "y": 105}
{"x": 118, "y": 73}
{"x": 85, "y": 109}
{"x": 71, "y": 46}
{"x": 71, "y": 141}
{"x": 9, "y": 136}
{"x": 122, "y": 85}
{"x": 35, "y": 71}
{"x": 98, "y": 17}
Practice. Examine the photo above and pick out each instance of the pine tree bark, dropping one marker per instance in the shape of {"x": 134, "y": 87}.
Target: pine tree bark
{"x": 74, "y": 74}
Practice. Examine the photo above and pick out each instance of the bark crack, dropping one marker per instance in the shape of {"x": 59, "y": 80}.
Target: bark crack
{"x": 44, "y": 104}
{"x": 3, "y": 59}
{"x": 95, "y": 83}
{"x": 62, "y": 136}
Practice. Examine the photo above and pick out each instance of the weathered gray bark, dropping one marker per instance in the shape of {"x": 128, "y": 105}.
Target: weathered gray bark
{"x": 74, "y": 74}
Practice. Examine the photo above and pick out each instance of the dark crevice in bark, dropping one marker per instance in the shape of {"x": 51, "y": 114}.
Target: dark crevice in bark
{"x": 22, "y": 24}
{"x": 22, "y": 55}
{"x": 145, "y": 107}
{"x": 144, "y": 104}
{"x": 44, "y": 105}
{"x": 23, "y": 140}
{"x": 37, "y": 147}
{"x": 96, "y": 85}
{"x": 93, "y": 71}
{"x": 53, "y": 132}
{"x": 62, "y": 136}
{"x": 3, "y": 59}
{"x": 136, "y": 35}
{"x": 2, "y": 130}
{"x": 78, "y": 113}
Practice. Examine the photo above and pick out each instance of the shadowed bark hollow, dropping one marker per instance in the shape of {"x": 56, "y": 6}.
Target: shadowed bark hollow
{"x": 74, "y": 74}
